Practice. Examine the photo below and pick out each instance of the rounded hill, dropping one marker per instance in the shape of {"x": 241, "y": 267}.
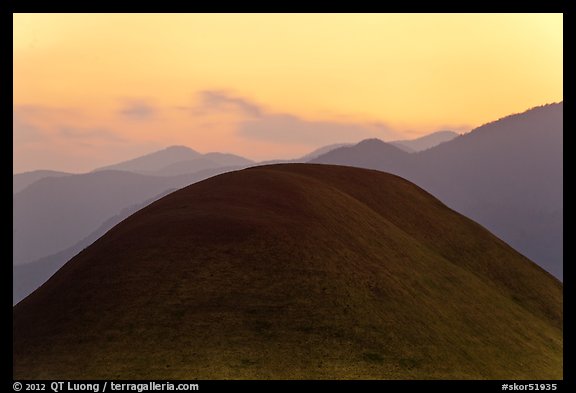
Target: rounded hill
{"x": 294, "y": 271}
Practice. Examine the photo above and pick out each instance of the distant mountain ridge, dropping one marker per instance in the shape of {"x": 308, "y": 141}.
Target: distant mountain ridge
{"x": 507, "y": 175}
{"x": 154, "y": 161}
{"x": 28, "y": 277}
{"x": 60, "y": 209}
{"x": 22, "y": 180}
{"x": 369, "y": 153}
{"x": 322, "y": 150}
{"x": 177, "y": 160}
{"x": 425, "y": 142}
{"x": 55, "y": 213}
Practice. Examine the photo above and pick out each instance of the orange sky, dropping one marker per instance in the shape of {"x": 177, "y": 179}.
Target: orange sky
{"x": 92, "y": 89}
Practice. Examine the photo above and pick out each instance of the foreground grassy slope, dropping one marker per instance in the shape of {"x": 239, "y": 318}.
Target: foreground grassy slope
{"x": 294, "y": 271}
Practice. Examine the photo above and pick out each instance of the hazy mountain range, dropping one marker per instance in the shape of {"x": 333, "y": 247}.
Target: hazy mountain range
{"x": 22, "y": 180}
{"x": 56, "y": 212}
{"x": 425, "y": 142}
{"x": 29, "y": 276}
{"x": 506, "y": 175}
{"x": 409, "y": 145}
{"x": 294, "y": 271}
{"x": 178, "y": 160}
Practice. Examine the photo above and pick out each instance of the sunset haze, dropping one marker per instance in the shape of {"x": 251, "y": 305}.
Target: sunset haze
{"x": 92, "y": 89}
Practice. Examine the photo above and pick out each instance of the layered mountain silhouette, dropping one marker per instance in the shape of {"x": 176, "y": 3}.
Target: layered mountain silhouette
{"x": 178, "y": 160}
{"x": 322, "y": 150}
{"x": 29, "y": 276}
{"x": 507, "y": 175}
{"x": 294, "y": 271}
{"x": 425, "y": 142}
{"x": 408, "y": 145}
{"x": 155, "y": 161}
{"x": 60, "y": 209}
{"x": 370, "y": 153}
{"x": 56, "y": 213}
{"x": 59, "y": 214}
{"x": 22, "y": 180}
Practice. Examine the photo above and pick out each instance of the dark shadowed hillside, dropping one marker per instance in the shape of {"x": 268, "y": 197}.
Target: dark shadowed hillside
{"x": 507, "y": 175}
{"x": 294, "y": 271}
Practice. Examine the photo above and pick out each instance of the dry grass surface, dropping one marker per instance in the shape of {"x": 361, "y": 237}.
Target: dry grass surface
{"x": 294, "y": 271}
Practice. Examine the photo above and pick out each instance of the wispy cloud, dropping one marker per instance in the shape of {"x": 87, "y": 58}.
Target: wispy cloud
{"x": 72, "y": 140}
{"x": 41, "y": 113}
{"x": 23, "y": 131}
{"x": 40, "y": 124}
{"x": 91, "y": 134}
{"x": 258, "y": 123}
{"x": 285, "y": 128}
{"x": 221, "y": 100}
{"x": 138, "y": 110}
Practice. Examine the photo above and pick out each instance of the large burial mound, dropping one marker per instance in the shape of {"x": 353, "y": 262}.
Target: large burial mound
{"x": 294, "y": 271}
